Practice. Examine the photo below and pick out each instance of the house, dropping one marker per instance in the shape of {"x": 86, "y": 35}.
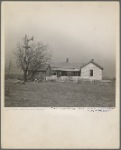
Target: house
{"x": 65, "y": 70}
{"x": 40, "y": 73}
{"x": 91, "y": 71}
{"x": 88, "y": 71}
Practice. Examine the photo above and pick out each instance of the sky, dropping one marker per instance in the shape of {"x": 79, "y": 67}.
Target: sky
{"x": 80, "y": 31}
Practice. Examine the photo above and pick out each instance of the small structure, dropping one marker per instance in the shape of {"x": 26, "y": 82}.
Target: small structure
{"x": 40, "y": 73}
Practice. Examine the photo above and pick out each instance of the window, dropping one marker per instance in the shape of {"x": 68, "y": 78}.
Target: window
{"x": 79, "y": 73}
{"x": 58, "y": 73}
{"x": 53, "y": 73}
{"x": 63, "y": 73}
{"x": 74, "y": 73}
{"x": 91, "y": 73}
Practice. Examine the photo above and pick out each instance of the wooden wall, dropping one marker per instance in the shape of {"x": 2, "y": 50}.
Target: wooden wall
{"x": 40, "y": 75}
{"x": 36, "y": 75}
{"x": 48, "y": 71}
{"x": 97, "y": 72}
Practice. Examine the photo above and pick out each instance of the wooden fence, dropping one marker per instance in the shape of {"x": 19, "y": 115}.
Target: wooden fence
{"x": 79, "y": 80}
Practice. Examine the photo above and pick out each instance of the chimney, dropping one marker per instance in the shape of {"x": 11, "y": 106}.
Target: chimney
{"x": 92, "y": 60}
{"x": 67, "y": 60}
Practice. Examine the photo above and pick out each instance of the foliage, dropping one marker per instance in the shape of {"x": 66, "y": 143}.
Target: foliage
{"x": 31, "y": 57}
{"x": 35, "y": 56}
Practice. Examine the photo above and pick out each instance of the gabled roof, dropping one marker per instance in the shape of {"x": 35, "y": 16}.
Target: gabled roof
{"x": 42, "y": 67}
{"x": 66, "y": 66}
{"x": 63, "y": 66}
{"x": 92, "y": 61}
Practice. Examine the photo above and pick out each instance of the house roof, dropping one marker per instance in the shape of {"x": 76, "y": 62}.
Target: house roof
{"x": 92, "y": 61}
{"x": 63, "y": 66}
{"x": 42, "y": 67}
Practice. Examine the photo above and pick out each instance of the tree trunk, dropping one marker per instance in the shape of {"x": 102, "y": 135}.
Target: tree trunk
{"x": 25, "y": 75}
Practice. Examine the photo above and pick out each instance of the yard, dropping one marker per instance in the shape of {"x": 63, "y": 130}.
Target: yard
{"x": 55, "y": 94}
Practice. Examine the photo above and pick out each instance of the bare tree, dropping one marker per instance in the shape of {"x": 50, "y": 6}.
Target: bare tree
{"x": 31, "y": 57}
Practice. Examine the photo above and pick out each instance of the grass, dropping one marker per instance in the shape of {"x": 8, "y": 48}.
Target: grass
{"x": 55, "y": 94}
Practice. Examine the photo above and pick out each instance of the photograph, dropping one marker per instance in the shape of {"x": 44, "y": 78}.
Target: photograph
{"x": 60, "y": 81}
{"x": 60, "y": 55}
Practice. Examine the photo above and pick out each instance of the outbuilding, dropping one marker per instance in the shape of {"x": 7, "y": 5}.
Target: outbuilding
{"x": 39, "y": 73}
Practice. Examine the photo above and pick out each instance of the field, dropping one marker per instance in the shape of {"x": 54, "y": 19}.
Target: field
{"x": 55, "y": 94}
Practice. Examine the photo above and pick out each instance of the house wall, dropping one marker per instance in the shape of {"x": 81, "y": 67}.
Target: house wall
{"x": 97, "y": 72}
{"x": 48, "y": 71}
{"x": 36, "y": 75}
{"x": 39, "y": 75}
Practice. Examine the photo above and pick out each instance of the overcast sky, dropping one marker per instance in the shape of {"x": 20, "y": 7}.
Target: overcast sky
{"x": 77, "y": 30}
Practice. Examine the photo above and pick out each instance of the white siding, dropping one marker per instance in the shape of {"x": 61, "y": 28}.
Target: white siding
{"x": 52, "y": 77}
{"x": 97, "y": 72}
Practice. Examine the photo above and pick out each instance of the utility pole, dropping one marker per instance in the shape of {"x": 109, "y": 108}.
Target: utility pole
{"x": 26, "y": 46}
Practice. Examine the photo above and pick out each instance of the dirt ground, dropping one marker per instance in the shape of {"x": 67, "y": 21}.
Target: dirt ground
{"x": 55, "y": 94}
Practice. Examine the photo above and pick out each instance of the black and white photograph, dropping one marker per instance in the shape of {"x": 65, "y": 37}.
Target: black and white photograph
{"x": 60, "y": 75}
{"x": 60, "y": 55}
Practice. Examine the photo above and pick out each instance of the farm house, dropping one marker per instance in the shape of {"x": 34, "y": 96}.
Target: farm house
{"x": 65, "y": 70}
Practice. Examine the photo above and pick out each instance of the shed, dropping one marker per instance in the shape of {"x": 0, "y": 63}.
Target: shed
{"x": 40, "y": 72}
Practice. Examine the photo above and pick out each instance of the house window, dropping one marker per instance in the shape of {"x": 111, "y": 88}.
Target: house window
{"x": 74, "y": 73}
{"x": 53, "y": 73}
{"x": 79, "y": 73}
{"x": 63, "y": 73}
{"x": 58, "y": 73}
{"x": 91, "y": 73}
